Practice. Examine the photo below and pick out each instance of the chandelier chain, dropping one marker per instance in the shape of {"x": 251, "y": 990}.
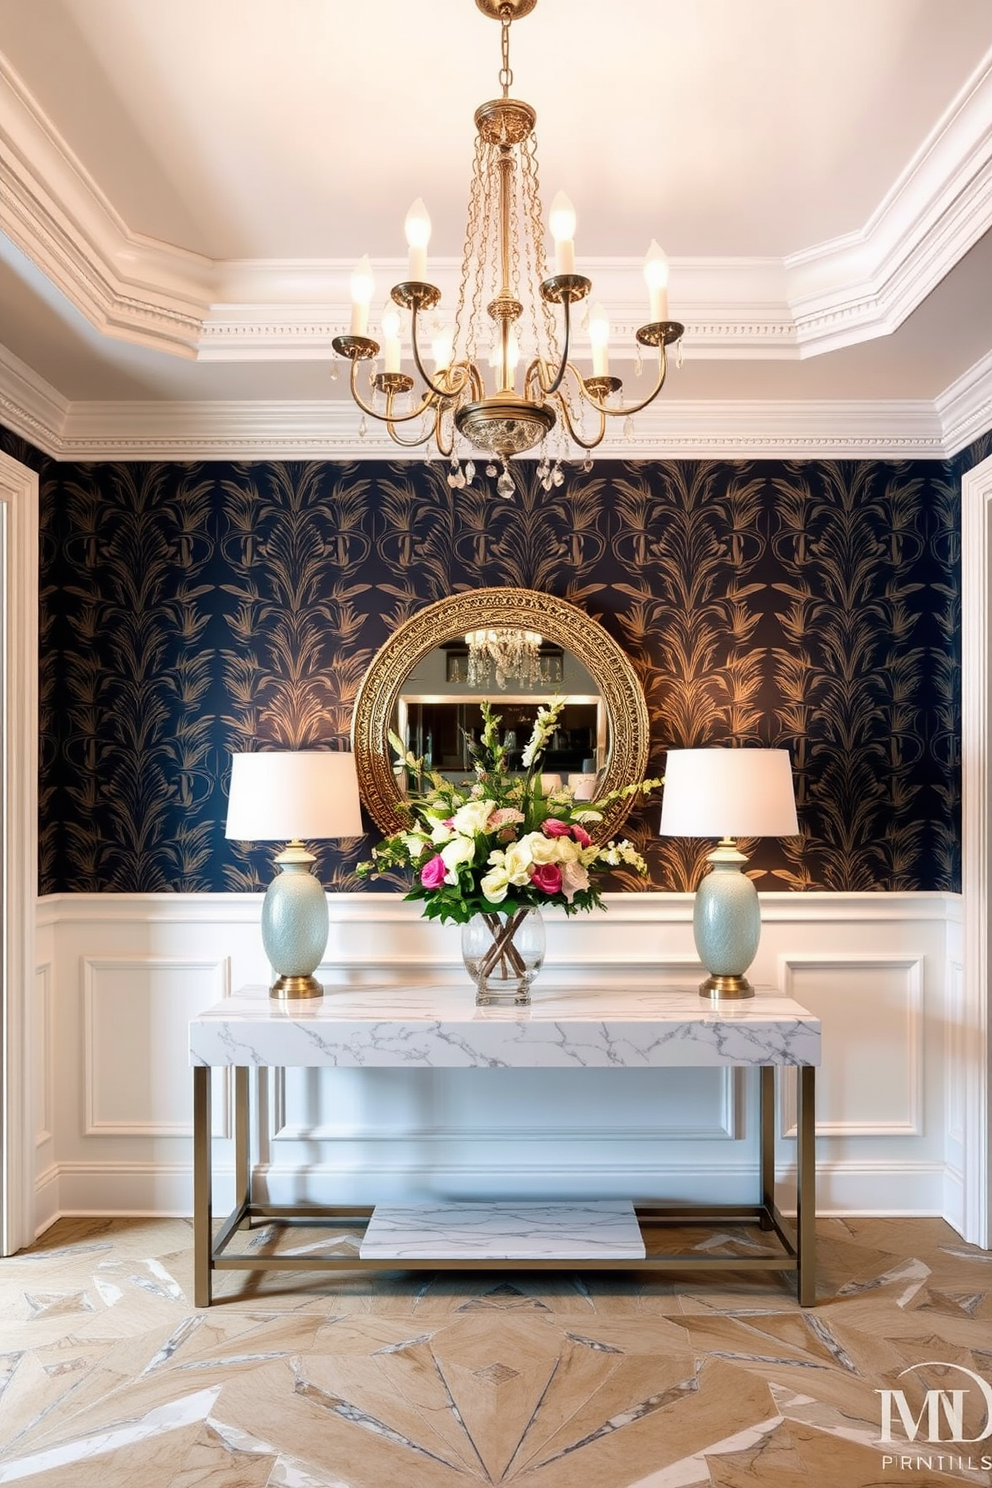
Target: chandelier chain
{"x": 505, "y": 72}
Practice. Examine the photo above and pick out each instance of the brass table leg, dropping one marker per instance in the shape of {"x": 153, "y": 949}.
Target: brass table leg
{"x": 806, "y": 1183}
{"x": 766, "y": 1130}
{"x": 242, "y": 1170}
{"x": 202, "y": 1205}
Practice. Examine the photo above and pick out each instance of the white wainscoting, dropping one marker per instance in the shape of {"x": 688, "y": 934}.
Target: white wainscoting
{"x": 120, "y": 975}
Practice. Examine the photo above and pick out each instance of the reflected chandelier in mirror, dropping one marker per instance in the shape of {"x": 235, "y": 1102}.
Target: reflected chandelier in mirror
{"x": 619, "y": 746}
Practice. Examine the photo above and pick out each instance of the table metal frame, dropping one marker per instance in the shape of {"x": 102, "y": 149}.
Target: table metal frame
{"x": 798, "y": 1241}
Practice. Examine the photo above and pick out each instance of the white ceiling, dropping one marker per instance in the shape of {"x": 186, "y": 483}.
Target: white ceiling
{"x": 185, "y": 185}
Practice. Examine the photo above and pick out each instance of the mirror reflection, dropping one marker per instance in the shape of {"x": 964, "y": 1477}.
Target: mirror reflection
{"x": 518, "y": 649}
{"x": 438, "y": 718}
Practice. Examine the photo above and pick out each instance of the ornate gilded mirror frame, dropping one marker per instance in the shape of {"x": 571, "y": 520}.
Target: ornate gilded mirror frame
{"x": 526, "y": 609}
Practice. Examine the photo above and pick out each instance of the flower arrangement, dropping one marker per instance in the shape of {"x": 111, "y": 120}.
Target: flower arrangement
{"x": 500, "y": 845}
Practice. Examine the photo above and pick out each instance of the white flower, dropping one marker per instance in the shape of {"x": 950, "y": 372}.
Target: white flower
{"x": 472, "y": 817}
{"x": 414, "y": 843}
{"x": 440, "y": 830}
{"x": 516, "y": 861}
{"x": 551, "y": 849}
{"x": 494, "y": 885}
{"x": 458, "y": 850}
{"x": 616, "y": 853}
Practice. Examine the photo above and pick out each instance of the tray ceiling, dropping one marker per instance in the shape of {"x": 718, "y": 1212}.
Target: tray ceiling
{"x": 184, "y": 189}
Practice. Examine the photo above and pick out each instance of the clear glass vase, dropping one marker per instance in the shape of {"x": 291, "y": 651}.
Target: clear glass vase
{"x": 503, "y": 954}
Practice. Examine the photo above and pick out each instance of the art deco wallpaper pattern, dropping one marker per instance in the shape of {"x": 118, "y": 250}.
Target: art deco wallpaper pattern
{"x": 190, "y": 610}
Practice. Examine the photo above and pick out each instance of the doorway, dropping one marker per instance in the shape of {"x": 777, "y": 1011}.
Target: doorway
{"x": 18, "y": 844}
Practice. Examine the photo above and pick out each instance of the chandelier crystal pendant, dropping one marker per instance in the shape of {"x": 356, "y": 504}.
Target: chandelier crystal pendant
{"x": 506, "y": 304}
{"x": 514, "y": 656}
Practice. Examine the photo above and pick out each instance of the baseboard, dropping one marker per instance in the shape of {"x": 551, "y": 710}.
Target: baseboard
{"x": 849, "y": 1189}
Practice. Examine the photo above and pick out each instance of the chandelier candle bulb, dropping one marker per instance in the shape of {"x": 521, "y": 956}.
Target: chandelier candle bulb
{"x": 599, "y": 336}
{"x": 656, "y": 279}
{"x": 362, "y": 286}
{"x": 561, "y": 220}
{"x": 418, "y": 235}
{"x": 443, "y": 348}
{"x": 389, "y": 324}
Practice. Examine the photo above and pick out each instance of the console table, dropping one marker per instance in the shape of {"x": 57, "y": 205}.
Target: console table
{"x": 423, "y": 1027}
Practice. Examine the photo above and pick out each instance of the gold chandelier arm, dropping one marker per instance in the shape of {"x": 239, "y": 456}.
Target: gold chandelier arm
{"x": 574, "y": 433}
{"x": 410, "y": 443}
{"x": 630, "y": 408}
{"x": 456, "y": 376}
{"x": 388, "y": 417}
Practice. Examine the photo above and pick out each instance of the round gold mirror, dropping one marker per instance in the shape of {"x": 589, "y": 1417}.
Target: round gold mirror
{"x": 422, "y": 675}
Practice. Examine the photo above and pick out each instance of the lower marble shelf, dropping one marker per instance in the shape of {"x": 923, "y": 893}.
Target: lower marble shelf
{"x": 597, "y": 1229}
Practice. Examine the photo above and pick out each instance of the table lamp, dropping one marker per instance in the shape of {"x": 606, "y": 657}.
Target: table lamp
{"x": 289, "y": 795}
{"x": 727, "y": 793}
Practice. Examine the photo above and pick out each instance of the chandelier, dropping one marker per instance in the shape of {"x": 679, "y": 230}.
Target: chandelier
{"x": 507, "y": 305}
{"x": 514, "y": 656}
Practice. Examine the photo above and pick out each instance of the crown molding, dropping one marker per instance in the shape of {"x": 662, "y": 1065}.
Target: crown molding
{"x": 865, "y": 284}
{"x": 671, "y": 429}
{"x": 30, "y": 407}
{"x": 831, "y": 295}
{"x": 965, "y": 408}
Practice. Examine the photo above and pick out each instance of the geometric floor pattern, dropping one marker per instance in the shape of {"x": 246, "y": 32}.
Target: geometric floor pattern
{"x": 110, "y": 1377}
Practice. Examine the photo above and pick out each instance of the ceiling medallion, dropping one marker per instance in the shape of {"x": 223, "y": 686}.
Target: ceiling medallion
{"x": 505, "y": 310}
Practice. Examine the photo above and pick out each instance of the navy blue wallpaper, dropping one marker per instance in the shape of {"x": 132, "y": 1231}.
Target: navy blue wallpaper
{"x": 188, "y": 609}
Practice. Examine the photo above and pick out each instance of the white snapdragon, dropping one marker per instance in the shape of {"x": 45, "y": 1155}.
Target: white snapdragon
{"x": 544, "y": 726}
{"x": 615, "y": 853}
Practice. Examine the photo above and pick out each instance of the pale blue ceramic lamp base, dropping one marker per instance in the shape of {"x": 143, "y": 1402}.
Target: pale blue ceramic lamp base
{"x": 726, "y": 924}
{"x": 294, "y": 925}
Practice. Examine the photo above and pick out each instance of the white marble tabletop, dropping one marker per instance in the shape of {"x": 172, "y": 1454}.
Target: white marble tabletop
{"x": 428, "y": 1027}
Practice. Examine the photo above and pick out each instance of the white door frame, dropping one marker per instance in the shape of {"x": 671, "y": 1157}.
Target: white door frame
{"x": 19, "y": 850}
{"x": 976, "y": 792}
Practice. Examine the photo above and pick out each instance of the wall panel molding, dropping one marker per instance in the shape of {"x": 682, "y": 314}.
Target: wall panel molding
{"x": 110, "y": 1045}
{"x": 359, "y": 1135}
{"x": 896, "y": 1059}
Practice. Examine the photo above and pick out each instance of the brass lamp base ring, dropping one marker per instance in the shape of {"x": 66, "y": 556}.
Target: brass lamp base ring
{"x": 296, "y": 986}
{"x": 720, "y": 987}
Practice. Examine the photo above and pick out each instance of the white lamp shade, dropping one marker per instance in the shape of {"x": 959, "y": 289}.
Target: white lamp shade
{"x": 279, "y": 795}
{"x": 728, "y": 793}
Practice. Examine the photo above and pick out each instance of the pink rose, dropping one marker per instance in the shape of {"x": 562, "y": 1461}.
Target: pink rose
{"x": 433, "y": 872}
{"x": 581, "y": 836}
{"x": 574, "y": 876}
{"x": 555, "y": 828}
{"x": 547, "y": 878}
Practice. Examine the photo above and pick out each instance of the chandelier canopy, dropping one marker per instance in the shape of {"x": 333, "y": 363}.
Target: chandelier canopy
{"x": 508, "y": 307}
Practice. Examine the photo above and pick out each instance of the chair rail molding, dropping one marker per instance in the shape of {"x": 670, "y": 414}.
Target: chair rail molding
{"x": 19, "y": 862}
{"x": 976, "y": 718}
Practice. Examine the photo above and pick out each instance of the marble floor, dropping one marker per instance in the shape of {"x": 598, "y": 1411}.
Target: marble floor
{"x": 110, "y": 1377}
